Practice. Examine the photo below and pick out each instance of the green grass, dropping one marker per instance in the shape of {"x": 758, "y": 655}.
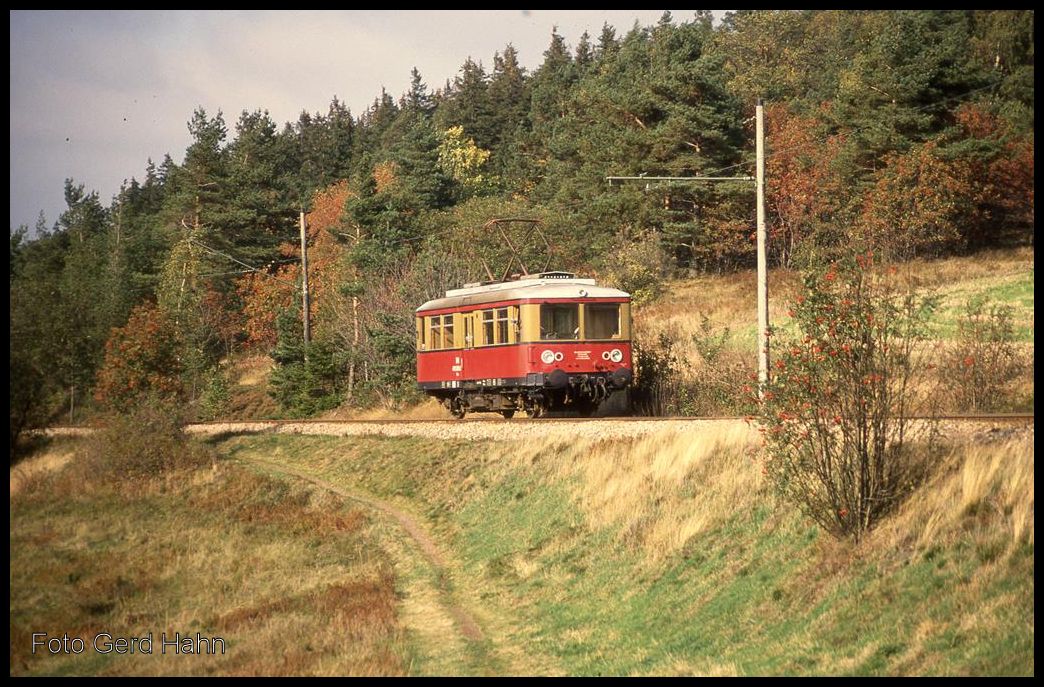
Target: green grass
{"x": 762, "y": 593}
{"x": 1014, "y": 291}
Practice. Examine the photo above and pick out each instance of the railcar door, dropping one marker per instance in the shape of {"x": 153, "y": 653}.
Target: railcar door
{"x": 469, "y": 344}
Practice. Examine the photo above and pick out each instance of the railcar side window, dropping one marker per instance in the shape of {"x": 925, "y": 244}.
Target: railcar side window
{"x": 487, "y": 328}
{"x": 501, "y": 318}
{"x": 447, "y": 332}
{"x": 440, "y": 332}
{"x": 559, "y": 321}
{"x": 434, "y": 332}
{"x": 602, "y": 320}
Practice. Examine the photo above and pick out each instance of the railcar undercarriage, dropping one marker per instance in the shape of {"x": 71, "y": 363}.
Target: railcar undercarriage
{"x": 579, "y": 393}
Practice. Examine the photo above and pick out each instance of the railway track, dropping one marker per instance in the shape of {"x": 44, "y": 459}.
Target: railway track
{"x": 497, "y": 428}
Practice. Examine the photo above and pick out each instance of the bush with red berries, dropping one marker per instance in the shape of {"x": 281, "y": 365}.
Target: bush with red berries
{"x": 835, "y": 417}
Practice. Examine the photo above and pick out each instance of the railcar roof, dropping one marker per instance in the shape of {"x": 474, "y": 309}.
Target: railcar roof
{"x": 523, "y": 289}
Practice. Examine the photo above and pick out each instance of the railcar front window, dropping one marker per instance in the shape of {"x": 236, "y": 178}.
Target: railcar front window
{"x": 602, "y": 321}
{"x": 559, "y": 321}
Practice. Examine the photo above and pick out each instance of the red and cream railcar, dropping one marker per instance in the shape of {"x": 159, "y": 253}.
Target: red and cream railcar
{"x": 544, "y": 342}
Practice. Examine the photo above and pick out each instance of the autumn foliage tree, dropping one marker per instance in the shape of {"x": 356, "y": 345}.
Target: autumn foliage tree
{"x": 266, "y": 295}
{"x": 810, "y": 193}
{"x": 141, "y": 361}
{"x": 1001, "y": 163}
{"x": 917, "y": 206}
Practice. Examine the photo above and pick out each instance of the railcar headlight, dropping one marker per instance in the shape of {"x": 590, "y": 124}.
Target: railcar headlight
{"x": 616, "y": 355}
{"x": 548, "y": 356}
{"x": 559, "y": 356}
{"x": 605, "y": 355}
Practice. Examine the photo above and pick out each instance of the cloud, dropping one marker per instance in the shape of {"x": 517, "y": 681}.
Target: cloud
{"x": 121, "y": 86}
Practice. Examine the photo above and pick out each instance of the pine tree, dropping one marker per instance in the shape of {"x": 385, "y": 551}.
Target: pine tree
{"x": 262, "y": 201}
{"x": 607, "y": 43}
{"x": 584, "y": 54}
{"x": 469, "y": 106}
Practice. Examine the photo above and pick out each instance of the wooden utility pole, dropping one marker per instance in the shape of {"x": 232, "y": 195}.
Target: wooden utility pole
{"x": 304, "y": 282}
{"x": 763, "y": 316}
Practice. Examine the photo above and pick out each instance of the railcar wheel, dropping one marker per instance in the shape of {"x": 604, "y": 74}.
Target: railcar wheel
{"x": 535, "y": 411}
{"x": 457, "y": 408}
{"x": 508, "y": 414}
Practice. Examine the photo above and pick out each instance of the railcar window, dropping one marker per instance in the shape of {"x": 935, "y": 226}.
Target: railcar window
{"x": 501, "y": 318}
{"x": 487, "y": 328}
{"x": 559, "y": 321}
{"x": 602, "y": 321}
{"x": 440, "y": 332}
{"x": 435, "y": 332}
{"x": 447, "y": 332}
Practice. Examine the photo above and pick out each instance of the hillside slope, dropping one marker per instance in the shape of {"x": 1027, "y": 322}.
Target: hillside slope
{"x": 669, "y": 554}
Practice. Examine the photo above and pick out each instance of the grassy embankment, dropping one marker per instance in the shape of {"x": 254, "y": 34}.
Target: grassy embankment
{"x": 661, "y": 555}
{"x": 669, "y": 554}
{"x": 1006, "y": 277}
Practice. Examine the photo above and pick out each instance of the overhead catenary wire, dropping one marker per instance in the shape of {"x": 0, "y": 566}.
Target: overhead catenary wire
{"x": 249, "y": 268}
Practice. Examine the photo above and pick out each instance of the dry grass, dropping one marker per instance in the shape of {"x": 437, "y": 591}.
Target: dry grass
{"x": 291, "y": 578}
{"x": 659, "y": 490}
{"x": 730, "y": 300}
{"x": 993, "y": 265}
{"x": 982, "y": 491}
{"x": 428, "y": 409}
{"x": 662, "y": 490}
{"x": 678, "y": 667}
{"x": 253, "y": 370}
{"x": 32, "y": 472}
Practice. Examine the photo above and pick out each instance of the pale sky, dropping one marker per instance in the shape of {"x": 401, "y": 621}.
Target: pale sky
{"x": 95, "y": 94}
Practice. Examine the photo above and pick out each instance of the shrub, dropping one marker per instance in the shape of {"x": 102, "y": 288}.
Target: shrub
{"x": 144, "y": 443}
{"x": 835, "y": 416}
{"x": 658, "y": 388}
{"x": 215, "y": 401}
{"x": 985, "y": 359}
{"x": 667, "y": 382}
{"x": 717, "y": 384}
